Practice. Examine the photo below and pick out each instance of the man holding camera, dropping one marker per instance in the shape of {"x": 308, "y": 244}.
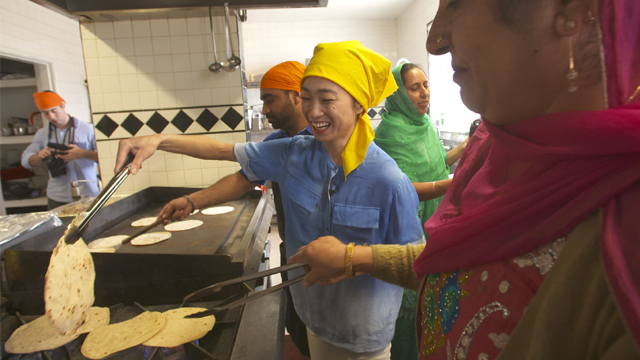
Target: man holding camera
{"x": 67, "y": 148}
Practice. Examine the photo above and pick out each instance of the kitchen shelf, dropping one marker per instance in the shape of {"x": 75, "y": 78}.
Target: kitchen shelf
{"x": 18, "y": 83}
{"x": 39, "y": 201}
{"x": 16, "y": 139}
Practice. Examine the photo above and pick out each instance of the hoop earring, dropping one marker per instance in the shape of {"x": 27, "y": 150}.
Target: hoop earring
{"x": 572, "y": 75}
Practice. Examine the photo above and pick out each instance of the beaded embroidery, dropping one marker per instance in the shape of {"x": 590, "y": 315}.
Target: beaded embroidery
{"x": 546, "y": 257}
{"x": 440, "y": 307}
{"x": 467, "y": 335}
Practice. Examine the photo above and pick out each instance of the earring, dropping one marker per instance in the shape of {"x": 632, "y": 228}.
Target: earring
{"x": 572, "y": 75}
{"x": 439, "y": 39}
{"x": 570, "y": 25}
{"x": 590, "y": 18}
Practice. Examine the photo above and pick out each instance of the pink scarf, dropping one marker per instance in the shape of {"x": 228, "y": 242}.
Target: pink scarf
{"x": 578, "y": 162}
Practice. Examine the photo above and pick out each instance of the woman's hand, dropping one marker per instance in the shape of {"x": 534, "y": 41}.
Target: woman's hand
{"x": 142, "y": 147}
{"x": 325, "y": 258}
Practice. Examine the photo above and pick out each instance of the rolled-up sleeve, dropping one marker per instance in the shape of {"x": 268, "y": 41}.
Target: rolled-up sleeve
{"x": 265, "y": 160}
{"x": 405, "y": 226}
{"x": 36, "y": 145}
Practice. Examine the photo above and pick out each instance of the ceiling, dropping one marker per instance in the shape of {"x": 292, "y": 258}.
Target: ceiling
{"x": 335, "y": 10}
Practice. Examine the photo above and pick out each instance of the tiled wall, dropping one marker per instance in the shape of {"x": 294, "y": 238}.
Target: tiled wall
{"x": 267, "y": 44}
{"x": 412, "y": 31}
{"x": 32, "y": 33}
{"x": 149, "y": 76}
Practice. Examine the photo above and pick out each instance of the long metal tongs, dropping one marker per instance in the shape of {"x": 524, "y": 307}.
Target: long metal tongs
{"x": 78, "y": 226}
{"x": 252, "y": 296}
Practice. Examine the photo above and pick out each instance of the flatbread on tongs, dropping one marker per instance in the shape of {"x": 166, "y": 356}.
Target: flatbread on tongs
{"x": 68, "y": 288}
{"x": 179, "y": 330}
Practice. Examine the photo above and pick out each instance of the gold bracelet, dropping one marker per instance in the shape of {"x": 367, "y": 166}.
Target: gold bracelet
{"x": 348, "y": 261}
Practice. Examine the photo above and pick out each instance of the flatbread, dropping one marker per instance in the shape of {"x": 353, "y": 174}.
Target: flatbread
{"x": 217, "y": 210}
{"x": 144, "y": 222}
{"x": 107, "y": 250}
{"x": 68, "y": 287}
{"x": 107, "y": 242}
{"x": 110, "y": 339}
{"x": 180, "y": 330}
{"x": 151, "y": 238}
{"x": 40, "y": 335}
{"x": 183, "y": 225}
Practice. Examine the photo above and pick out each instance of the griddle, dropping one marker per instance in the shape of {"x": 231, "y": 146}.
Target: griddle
{"x": 224, "y": 247}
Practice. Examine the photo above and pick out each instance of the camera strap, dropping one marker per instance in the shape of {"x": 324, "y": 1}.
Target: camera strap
{"x": 69, "y": 136}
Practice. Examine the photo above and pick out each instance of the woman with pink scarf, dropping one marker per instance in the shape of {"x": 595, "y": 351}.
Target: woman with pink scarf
{"x": 534, "y": 252}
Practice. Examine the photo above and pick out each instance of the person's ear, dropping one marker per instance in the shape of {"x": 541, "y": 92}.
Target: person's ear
{"x": 572, "y": 16}
{"x": 359, "y": 109}
{"x": 62, "y": 106}
{"x": 296, "y": 97}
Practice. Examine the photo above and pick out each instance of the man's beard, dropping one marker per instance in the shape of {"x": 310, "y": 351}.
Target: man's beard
{"x": 280, "y": 120}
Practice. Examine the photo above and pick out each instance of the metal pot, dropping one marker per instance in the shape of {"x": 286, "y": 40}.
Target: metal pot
{"x": 19, "y": 130}
{"x": 7, "y": 132}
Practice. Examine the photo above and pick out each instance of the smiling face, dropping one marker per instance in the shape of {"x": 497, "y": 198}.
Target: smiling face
{"x": 330, "y": 111}
{"x": 506, "y": 72}
{"x": 415, "y": 82}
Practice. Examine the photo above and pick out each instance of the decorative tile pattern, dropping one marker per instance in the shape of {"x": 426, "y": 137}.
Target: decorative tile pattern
{"x": 157, "y": 123}
{"x": 372, "y": 113}
{"x": 106, "y": 125}
{"x": 232, "y": 118}
{"x": 122, "y": 125}
{"x": 182, "y": 121}
{"x": 132, "y": 124}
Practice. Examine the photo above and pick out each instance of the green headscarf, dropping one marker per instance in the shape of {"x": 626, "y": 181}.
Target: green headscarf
{"x": 410, "y": 139}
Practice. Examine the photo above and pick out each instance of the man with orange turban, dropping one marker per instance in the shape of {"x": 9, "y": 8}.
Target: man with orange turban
{"x": 280, "y": 94}
{"x": 78, "y": 159}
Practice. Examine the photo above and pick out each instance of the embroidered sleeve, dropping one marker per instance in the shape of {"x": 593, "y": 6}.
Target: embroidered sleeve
{"x": 394, "y": 264}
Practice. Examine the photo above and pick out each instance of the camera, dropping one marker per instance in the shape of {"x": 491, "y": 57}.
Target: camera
{"x": 55, "y": 165}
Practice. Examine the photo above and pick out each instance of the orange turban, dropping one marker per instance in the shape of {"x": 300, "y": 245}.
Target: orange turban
{"x": 284, "y": 76}
{"x": 47, "y": 99}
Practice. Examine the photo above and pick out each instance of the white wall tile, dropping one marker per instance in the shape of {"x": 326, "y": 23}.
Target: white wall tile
{"x": 165, "y": 82}
{"x": 209, "y": 176}
{"x": 220, "y": 96}
{"x": 145, "y": 64}
{"x": 167, "y": 99}
{"x": 161, "y": 45}
{"x": 127, "y": 65}
{"x": 123, "y": 29}
{"x": 160, "y": 178}
{"x": 129, "y": 83}
{"x": 124, "y": 47}
{"x": 159, "y": 27}
{"x": 92, "y": 66}
{"x": 112, "y": 102}
{"x": 184, "y": 98}
{"x": 110, "y": 84}
{"x": 141, "y": 28}
{"x": 183, "y": 80}
{"x": 90, "y": 48}
{"x": 108, "y": 65}
{"x": 176, "y": 178}
{"x": 163, "y": 63}
{"x": 178, "y": 27}
{"x": 143, "y": 46}
{"x": 181, "y": 62}
{"x": 197, "y": 26}
{"x": 202, "y": 97}
{"x": 149, "y": 100}
{"x": 106, "y": 47}
{"x": 193, "y": 177}
{"x": 104, "y": 30}
{"x": 147, "y": 82}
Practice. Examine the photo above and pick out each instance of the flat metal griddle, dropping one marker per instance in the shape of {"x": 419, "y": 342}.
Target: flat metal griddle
{"x": 222, "y": 248}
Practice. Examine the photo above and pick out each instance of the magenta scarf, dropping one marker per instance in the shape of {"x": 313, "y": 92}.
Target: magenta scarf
{"x": 578, "y": 162}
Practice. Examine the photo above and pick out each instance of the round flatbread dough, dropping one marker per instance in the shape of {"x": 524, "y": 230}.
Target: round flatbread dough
{"x": 68, "y": 287}
{"x": 110, "y": 339}
{"x": 183, "y": 225}
{"x": 144, "y": 222}
{"x": 217, "y": 210}
{"x": 180, "y": 330}
{"x": 40, "y": 335}
{"x": 106, "y": 250}
{"x": 151, "y": 238}
{"x": 107, "y": 242}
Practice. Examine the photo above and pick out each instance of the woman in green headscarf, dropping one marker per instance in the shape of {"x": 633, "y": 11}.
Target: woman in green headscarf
{"x": 408, "y": 136}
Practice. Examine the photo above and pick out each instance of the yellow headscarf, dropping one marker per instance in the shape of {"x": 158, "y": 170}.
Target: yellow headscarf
{"x": 364, "y": 74}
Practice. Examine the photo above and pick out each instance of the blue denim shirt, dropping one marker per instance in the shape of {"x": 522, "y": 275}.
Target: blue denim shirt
{"x": 274, "y": 136}
{"x": 376, "y": 205}
{"x": 59, "y": 188}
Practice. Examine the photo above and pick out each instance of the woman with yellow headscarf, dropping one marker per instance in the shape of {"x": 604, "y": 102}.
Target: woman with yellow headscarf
{"x": 336, "y": 182}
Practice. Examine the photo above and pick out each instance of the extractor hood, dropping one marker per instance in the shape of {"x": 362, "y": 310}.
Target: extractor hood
{"x": 109, "y": 10}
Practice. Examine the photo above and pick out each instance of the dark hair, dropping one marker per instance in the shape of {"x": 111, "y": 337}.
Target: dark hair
{"x": 405, "y": 68}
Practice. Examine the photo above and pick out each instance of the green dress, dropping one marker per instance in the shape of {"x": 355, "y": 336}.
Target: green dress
{"x": 411, "y": 140}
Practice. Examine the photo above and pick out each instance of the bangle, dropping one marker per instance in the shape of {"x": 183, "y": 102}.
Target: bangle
{"x": 193, "y": 207}
{"x": 348, "y": 261}
{"x": 434, "y": 189}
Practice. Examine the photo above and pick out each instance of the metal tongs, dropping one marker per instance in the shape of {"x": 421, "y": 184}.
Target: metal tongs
{"x": 226, "y": 305}
{"x": 78, "y": 226}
